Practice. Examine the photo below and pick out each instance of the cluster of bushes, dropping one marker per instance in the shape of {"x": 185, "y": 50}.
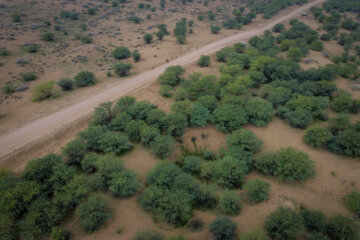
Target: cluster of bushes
{"x": 341, "y": 137}
{"x": 82, "y": 79}
{"x": 270, "y": 8}
{"x": 285, "y": 223}
{"x": 288, "y": 164}
{"x": 180, "y": 31}
{"x": 69, "y": 15}
{"x": 113, "y": 127}
{"x": 239, "y": 18}
{"x": 86, "y": 39}
{"x": 31, "y": 205}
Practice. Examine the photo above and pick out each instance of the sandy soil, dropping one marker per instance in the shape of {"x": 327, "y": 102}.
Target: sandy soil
{"x": 47, "y": 124}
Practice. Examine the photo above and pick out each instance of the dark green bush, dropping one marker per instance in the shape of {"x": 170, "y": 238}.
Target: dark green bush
{"x": 278, "y": 28}
{"x": 4, "y": 52}
{"x": 84, "y": 79}
{"x": 352, "y": 201}
{"x": 122, "y": 69}
{"x": 229, "y": 117}
{"x": 284, "y": 223}
{"x": 48, "y": 36}
{"x": 223, "y": 228}
{"x": 133, "y": 129}
{"x": 92, "y": 213}
{"x": 172, "y": 76}
{"x": 124, "y": 184}
{"x": 314, "y": 220}
{"x": 257, "y": 190}
{"x": 148, "y": 235}
{"x": 215, "y": 29}
{"x": 192, "y": 164}
{"x": 137, "y": 56}
{"x": 317, "y": 136}
{"x": 230, "y": 203}
{"x": 88, "y": 163}
{"x": 114, "y": 142}
{"x": 121, "y": 52}
{"x": 228, "y": 172}
{"x": 59, "y": 234}
{"x": 341, "y": 227}
{"x": 199, "y": 116}
{"x": 148, "y": 134}
{"x": 162, "y": 146}
{"x": 75, "y": 150}
{"x": 204, "y": 61}
{"x": 66, "y": 84}
{"x": 28, "y": 76}
{"x": 16, "y": 17}
{"x": 108, "y": 166}
{"x": 8, "y": 89}
{"x": 148, "y": 38}
{"x": 259, "y": 111}
{"x": 166, "y": 91}
{"x": 254, "y": 235}
{"x": 30, "y": 47}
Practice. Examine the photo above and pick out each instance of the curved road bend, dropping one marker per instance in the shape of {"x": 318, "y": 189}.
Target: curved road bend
{"x": 48, "y": 124}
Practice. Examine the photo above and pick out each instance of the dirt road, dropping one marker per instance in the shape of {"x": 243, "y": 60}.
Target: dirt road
{"x": 46, "y": 125}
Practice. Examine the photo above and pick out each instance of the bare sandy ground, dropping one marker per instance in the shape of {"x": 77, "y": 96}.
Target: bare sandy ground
{"x": 32, "y": 131}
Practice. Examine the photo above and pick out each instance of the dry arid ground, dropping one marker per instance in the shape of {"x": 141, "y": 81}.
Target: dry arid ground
{"x": 335, "y": 174}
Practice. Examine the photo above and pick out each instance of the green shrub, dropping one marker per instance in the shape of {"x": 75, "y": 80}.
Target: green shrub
{"x": 223, "y": 228}
{"x": 148, "y": 38}
{"x": 209, "y": 155}
{"x": 59, "y": 234}
{"x": 199, "y": 116}
{"x": 43, "y": 91}
{"x": 88, "y": 163}
{"x": 92, "y": 213}
{"x": 352, "y": 201}
{"x": 121, "y": 52}
{"x": 342, "y": 103}
{"x": 253, "y": 235}
{"x": 278, "y": 28}
{"x": 172, "y": 76}
{"x": 314, "y": 220}
{"x": 16, "y": 17}
{"x": 318, "y": 236}
{"x": 293, "y": 165}
{"x": 317, "y": 136}
{"x": 166, "y": 91}
{"x": 28, "y": 76}
{"x": 259, "y": 111}
{"x": 92, "y": 135}
{"x": 162, "y": 146}
{"x": 339, "y": 122}
{"x": 66, "y": 84}
{"x": 4, "y": 52}
{"x": 91, "y": 11}
{"x": 215, "y": 29}
{"x": 137, "y": 56}
{"x": 48, "y": 36}
{"x": 148, "y": 134}
{"x": 86, "y": 39}
{"x": 75, "y": 150}
{"x": 108, "y": 166}
{"x": 257, "y": 190}
{"x": 122, "y": 69}
{"x": 119, "y": 122}
{"x": 84, "y": 79}
{"x": 124, "y": 184}
{"x": 114, "y": 142}
{"x": 230, "y": 203}
{"x": 317, "y": 46}
{"x": 148, "y": 235}
{"x": 160, "y": 35}
{"x": 284, "y": 223}
{"x": 228, "y": 172}
{"x": 8, "y": 89}
{"x": 341, "y": 227}
{"x": 30, "y": 47}
{"x": 192, "y": 164}
{"x": 229, "y": 117}
{"x": 204, "y": 61}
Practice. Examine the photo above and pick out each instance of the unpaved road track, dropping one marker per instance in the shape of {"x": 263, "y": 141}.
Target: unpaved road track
{"x": 46, "y": 125}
